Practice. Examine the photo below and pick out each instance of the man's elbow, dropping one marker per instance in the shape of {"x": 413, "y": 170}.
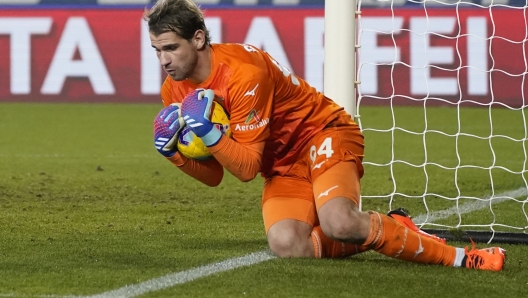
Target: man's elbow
{"x": 215, "y": 181}
{"x": 212, "y": 184}
{"x": 247, "y": 177}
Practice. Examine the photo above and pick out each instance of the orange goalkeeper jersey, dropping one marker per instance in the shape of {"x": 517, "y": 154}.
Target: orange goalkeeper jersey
{"x": 265, "y": 102}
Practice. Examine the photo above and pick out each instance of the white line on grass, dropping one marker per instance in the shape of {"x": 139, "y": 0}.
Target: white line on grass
{"x": 471, "y": 206}
{"x": 172, "y": 279}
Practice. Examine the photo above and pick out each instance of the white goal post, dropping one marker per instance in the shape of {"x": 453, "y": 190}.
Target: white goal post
{"x": 440, "y": 90}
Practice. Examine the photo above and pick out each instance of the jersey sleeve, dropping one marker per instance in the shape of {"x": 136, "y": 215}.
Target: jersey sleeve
{"x": 209, "y": 172}
{"x": 251, "y": 100}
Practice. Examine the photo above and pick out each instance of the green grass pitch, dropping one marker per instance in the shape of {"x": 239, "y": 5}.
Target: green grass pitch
{"x": 87, "y": 206}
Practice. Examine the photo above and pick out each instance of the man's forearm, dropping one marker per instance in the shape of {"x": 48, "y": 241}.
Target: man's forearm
{"x": 209, "y": 172}
{"x": 242, "y": 161}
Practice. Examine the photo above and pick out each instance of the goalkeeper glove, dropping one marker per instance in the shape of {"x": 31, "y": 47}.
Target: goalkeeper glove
{"x": 196, "y": 111}
{"x": 167, "y": 125}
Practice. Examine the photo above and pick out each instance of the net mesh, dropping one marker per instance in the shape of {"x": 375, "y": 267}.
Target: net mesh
{"x": 441, "y": 102}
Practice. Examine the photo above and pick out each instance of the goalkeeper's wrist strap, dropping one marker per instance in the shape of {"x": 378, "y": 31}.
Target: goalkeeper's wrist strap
{"x": 212, "y": 137}
{"x": 177, "y": 159}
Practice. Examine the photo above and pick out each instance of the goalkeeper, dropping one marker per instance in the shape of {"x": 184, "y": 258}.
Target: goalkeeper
{"x": 307, "y": 148}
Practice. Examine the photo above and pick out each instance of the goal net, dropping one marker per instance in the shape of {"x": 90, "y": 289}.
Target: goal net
{"x": 441, "y": 99}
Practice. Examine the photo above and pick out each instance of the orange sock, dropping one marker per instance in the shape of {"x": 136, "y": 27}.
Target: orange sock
{"x": 325, "y": 247}
{"x": 392, "y": 239}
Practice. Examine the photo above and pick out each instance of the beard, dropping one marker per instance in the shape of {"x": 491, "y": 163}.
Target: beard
{"x": 184, "y": 72}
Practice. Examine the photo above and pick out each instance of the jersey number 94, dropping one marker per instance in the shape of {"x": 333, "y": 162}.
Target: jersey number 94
{"x": 191, "y": 146}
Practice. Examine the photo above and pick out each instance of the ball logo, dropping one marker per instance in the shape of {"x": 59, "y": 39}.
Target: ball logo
{"x": 222, "y": 127}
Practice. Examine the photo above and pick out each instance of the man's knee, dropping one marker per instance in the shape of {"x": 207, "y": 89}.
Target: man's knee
{"x": 283, "y": 244}
{"x": 290, "y": 240}
{"x": 342, "y": 221}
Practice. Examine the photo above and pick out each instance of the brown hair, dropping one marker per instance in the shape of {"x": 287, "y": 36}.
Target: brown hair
{"x": 182, "y": 17}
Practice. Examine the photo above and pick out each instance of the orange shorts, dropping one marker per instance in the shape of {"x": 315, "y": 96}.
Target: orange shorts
{"x": 328, "y": 167}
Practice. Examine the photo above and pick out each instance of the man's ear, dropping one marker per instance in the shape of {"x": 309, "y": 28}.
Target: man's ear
{"x": 199, "y": 39}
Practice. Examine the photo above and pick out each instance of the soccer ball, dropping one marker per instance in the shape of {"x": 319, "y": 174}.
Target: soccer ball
{"x": 191, "y": 146}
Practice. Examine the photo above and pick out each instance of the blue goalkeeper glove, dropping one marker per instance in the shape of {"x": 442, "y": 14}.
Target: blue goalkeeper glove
{"x": 196, "y": 111}
{"x": 167, "y": 125}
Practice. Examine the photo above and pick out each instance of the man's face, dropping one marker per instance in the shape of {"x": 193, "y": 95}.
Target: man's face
{"x": 177, "y": 56}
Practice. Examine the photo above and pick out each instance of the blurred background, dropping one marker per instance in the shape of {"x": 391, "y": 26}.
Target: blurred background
{"x": 98, "y": 50}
